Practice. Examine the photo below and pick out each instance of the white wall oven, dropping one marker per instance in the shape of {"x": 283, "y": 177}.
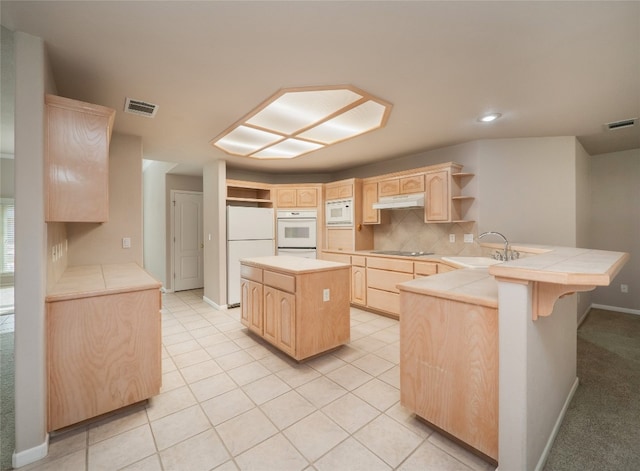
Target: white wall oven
{"x": 339, "y": 212}
{"x": 297, "y": 233}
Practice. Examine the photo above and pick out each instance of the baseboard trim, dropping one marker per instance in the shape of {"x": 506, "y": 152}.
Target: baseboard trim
{"x": 617, "y": 309}
{"x": 556, "y": 428}
{"x": 31, "y": 455}
{"x": 214, "y": 305}
{"x": 584, "y": 315}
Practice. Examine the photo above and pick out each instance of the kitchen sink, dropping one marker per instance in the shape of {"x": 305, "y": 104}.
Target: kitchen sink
{"x": 401, "y": 253}
{"x": 472, "y": 262}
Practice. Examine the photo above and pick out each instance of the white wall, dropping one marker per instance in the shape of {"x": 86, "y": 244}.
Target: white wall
{"x": 33, "y": 80}
{"x": 615, "y": 222}
{"x": 155, "y": 219}
{"x": 583, "y": 215}
{"x": 214, "y": 225}
{"x": 527, "y": 189}
{"x": 91, "y": 243}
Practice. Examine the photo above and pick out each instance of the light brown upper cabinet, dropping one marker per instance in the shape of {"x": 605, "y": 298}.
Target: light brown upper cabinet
{"x": 444, "y": 199}
{"x": 438, "y": 197}
{"x": 401, "y": 186}
{"x": 338, "y": 191}
{"x": 77, "y": 160}
{"x": 369, "y": 197}
{"x": 297, "y": 197}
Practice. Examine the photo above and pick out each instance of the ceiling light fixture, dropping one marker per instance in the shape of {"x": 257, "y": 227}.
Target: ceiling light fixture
{"x": 487, "y": 118}
{"x": 296, "y": 121}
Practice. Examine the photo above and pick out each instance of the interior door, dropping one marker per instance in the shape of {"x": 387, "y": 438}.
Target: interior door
{"x": 188, "y": 244}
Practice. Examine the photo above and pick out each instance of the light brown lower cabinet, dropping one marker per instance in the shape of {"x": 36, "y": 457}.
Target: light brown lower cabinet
{"x": 301, "y": 313}
{"x": 359, "y": 285}
{"x": 104, "y": 353}
{"x": 449, "y": 367}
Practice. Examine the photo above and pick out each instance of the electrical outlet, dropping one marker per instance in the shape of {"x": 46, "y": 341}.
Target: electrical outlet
{"x": 452, "y": 238}
{"x": 624, "y": 288}
{"x": 468, "y": 238}
{"x": 326, "y": 295}
{"x": 126, "y": 242}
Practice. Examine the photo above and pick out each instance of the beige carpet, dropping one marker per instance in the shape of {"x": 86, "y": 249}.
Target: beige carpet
{"x": 601, "y": 430}
{"x": 7, "y": 415}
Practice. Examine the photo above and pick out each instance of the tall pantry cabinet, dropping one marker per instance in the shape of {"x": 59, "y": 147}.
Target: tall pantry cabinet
{"x": 77, "y": 160}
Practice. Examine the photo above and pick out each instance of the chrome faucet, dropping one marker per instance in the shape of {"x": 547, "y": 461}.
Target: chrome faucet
{"x": 508, "y": 254}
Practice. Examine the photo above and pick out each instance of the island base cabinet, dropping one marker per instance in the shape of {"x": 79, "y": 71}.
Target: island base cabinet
{"x": 280, "y": 319}
{"x": 449, "y": 367}
{"x": 104, "y": 353}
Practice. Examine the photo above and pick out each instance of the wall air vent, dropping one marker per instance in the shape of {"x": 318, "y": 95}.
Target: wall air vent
{"x": 625, "y": 123}
{"x": 140, "y": 107}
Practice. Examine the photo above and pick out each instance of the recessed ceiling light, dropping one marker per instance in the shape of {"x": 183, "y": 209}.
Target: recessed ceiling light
{"x": 297, "y": 121}
{"x": 487, "y": 118}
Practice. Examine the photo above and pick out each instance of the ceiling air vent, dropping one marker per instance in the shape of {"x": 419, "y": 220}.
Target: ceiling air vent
{"x": 140, "y": 107}
{"x": 625, "y": 123}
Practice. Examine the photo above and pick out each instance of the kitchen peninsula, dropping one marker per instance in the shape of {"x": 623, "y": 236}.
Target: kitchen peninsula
{"x": 499, "y": 332}
{"x": 103, "y": 341}
{"x": 299, "y": 305}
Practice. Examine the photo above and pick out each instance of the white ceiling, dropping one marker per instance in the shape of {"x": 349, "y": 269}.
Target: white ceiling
{"x": 550, "y": 68}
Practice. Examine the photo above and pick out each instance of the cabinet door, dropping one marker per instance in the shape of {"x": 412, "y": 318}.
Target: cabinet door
{"x": 437, "y": 202}
{"x": 306, "y": 198}
{"x": 389, "y": 187}
{"x": 77, "y": 161}
{"x": 358, "y": 285}
{"x": 251, "y": 305}
{"x": 413, "y": 184}
{"x": 270, "y": 331}
{"x": 340, "y": 239}
{"x": 369, "y": 197}
{"x": 279, "y": 319}
{"x": 245, "y": 302}
{"x": 286, "y": 311}
{"x": 286, "y": 197}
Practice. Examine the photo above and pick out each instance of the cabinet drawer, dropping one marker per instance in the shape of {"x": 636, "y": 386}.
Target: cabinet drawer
{"x": 358, "y": 260}
{"x": 390, "y": 264}
{"x": 251, "y": 273}
{"x": 386, "y": 280}
{"x": 383, "y": 300}
{"x": 426, "y": 268}
{"x": 280, "y": 281}
{"x": 336, "y": 257}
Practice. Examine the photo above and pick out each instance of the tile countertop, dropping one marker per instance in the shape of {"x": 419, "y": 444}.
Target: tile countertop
{"x": 98, "y": 280}
{"x": 555, "y": 265}
{"x": 293, "y": 265}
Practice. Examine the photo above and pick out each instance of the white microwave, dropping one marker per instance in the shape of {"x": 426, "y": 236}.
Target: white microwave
{"x": 339, "y": 212}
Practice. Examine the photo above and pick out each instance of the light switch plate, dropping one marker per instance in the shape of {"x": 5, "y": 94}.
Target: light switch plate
{"x": 126, "y": 242}
{"x": 468, "y": 238}
{"x": 325, "y": 295}
{"x": 452, "y": 238}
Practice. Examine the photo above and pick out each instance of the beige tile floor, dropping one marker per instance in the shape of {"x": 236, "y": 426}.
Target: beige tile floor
{"x": 230, "y": 401}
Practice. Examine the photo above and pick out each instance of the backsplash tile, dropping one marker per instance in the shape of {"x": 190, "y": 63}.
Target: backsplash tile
{"x": 407, "y": 230}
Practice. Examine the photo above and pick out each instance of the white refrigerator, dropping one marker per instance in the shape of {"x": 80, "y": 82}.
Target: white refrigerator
{"x": 250, "y": 233}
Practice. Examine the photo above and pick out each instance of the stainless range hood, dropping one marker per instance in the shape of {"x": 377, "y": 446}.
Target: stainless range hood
{"x": 415, "y": 200}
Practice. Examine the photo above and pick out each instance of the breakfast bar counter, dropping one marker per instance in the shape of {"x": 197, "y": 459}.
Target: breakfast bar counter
{"x": 471, "y": 336}
{"x": 299, "y": 305}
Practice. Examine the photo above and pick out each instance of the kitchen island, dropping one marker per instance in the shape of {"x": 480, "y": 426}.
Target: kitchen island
{"x": 103, "y": 341}
{"x": 532, "y": 347}
{"x": 299, "y": 305}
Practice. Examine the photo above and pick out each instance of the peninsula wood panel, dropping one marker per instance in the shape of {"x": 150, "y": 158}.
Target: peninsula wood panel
{"x": 104, "y": 353}
{"x": 449, "y": 367}
{"x": 322, "y": 325}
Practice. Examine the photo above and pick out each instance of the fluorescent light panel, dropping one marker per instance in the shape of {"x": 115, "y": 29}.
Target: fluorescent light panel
{"x": 294, "y": 122}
